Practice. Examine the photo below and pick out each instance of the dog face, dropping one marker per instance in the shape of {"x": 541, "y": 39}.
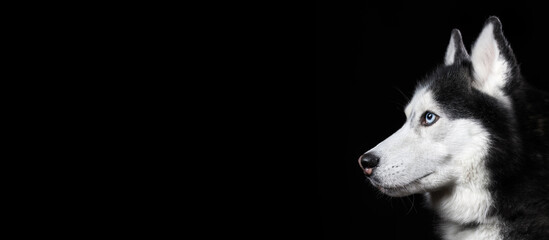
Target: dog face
{"x": 442, "y": 141}
{"x": 431, "y": 149}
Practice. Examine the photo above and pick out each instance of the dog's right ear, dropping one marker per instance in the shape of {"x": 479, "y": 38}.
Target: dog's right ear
{"x": 456, "y": 51}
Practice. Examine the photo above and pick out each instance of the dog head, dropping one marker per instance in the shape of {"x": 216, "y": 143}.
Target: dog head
{"x": 445, "y": 139}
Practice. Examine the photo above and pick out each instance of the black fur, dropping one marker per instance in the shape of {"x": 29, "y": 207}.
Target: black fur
{"x": 518, "y": 161}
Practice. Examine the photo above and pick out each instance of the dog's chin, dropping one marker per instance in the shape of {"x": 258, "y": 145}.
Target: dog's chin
{"x": 401, "y": 191}
{"x": 414, "y": 187}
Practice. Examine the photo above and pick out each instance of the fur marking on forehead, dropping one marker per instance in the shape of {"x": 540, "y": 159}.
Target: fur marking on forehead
{"x": 423, "y": 98}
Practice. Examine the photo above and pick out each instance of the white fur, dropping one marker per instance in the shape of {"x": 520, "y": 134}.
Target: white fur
{"x": 490, "y": 67}
{"x": 452, "y": 152}
{"x": 467, "y": 200}
{"x": 452, "y": 231}
{"x": 450, "y": 52}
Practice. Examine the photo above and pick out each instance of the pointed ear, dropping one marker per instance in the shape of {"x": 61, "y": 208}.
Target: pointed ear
{"x": 494, "y": 64}
{"x": 456, "y": 51}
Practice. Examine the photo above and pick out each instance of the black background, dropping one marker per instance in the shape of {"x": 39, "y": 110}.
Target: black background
{"x": 368, "y": 60}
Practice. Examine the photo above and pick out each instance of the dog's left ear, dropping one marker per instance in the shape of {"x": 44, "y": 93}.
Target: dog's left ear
{"x": 494, "y": 65}
{"x": 455, "y": 52}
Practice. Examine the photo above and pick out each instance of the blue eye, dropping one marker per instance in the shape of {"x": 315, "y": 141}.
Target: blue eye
{"x": 429, "y": 118}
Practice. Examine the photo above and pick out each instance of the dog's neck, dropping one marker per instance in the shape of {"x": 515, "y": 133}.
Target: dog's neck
{"x": 466, "y": 211}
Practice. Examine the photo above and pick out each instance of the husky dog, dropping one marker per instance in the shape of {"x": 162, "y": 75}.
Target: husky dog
{"x": 475, "y": 142}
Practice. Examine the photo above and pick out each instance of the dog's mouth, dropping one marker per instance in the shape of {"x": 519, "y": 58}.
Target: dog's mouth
{"x": 398, "y": 188}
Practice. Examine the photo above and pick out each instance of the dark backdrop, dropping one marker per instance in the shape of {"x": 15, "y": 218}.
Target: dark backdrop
{"x": 368, "y": 60}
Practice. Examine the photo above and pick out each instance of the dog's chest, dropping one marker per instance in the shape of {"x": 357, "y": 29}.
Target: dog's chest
{"x": 465, "y": 213}
{"x": 454, "y": 231}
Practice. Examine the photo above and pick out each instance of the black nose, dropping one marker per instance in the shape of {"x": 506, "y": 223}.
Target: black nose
{"x": 368, "y": 161}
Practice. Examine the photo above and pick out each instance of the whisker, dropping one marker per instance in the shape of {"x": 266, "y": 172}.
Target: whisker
{"x": 411, "y": 207}
{"x": 402, "y": 93}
